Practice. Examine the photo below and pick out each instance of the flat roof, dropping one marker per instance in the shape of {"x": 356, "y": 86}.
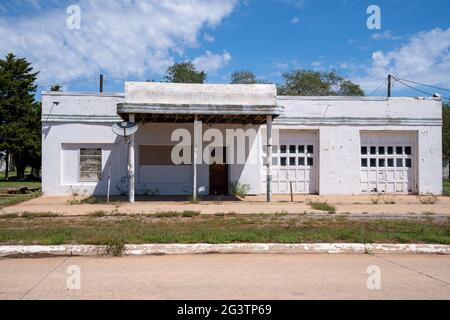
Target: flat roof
{"x": 211, "y": 103}
{"x": 200, "y": 94}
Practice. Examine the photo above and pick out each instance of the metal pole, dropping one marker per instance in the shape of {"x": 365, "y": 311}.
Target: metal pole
{"x": 131, "y": 165}
{"x": 101, "y": 83}
{"x": 389, "y": 85}
{"x": 292, "y": 191}
{"x": 269, "y": 158}
{"x": 194, "y": 162}
{"x": 109, "y": 181}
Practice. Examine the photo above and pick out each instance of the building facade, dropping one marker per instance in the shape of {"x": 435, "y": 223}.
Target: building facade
{"x": 320, "y": 145}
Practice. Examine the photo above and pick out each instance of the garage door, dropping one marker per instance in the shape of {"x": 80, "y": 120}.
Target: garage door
{"x": 388, "y": 162}
{"x": 294, "y": 159}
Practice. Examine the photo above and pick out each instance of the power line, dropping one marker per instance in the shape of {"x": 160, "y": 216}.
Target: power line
{"x": 381, "y": 84}
{"x": 425, "y": 85}
{"x": 69, "y": 82}
{"x": 414, "y": 88}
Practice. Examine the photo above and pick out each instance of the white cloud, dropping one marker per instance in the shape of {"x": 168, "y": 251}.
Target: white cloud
{"x": 210, "y": 62}
{"x": 208, "y": 37}
{"x": 425, "y": 57}
{"x": 316, "y": 65}
{"x": 295, "y": 20}
{"x": 123, "y": 38}
{"x": 385, "y": 35}
{"x": 296, "y": 3}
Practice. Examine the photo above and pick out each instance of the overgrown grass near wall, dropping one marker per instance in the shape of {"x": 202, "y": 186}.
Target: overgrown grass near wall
{"x": 446, "y": 188}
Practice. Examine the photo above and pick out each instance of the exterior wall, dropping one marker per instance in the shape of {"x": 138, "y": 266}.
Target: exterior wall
{"x": 72, "y": 121}
{"x": 171, "y": 179}
{"x": 340, "y": 122}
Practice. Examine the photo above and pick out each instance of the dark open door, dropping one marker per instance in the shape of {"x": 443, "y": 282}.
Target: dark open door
{"x": 218, "y": 177}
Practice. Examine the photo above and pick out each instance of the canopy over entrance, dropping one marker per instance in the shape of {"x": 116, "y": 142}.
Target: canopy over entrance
{"x": 192, "y": 103}
{"x": 211, "y": 103}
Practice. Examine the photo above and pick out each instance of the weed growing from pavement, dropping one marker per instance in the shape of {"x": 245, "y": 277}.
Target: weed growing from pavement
{"x": 322, "y": 206}
{"x": 115, "y": 248}
{"x": 428, "y": 199}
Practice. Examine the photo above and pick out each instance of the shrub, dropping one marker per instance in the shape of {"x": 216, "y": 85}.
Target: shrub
{"x": 238, "y": 189}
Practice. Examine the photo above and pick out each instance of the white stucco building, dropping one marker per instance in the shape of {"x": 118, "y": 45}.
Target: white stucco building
{"x": 323, "y": 145}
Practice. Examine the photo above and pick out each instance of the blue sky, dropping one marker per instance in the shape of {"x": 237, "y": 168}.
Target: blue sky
{"x": 138, "y": 39}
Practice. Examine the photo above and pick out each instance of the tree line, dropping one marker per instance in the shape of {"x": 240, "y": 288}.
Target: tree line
{"x": 20, "y": 113}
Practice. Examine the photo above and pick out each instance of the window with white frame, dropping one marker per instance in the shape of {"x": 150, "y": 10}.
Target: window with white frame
{"x": 90, "y": 165}
{"x": 291, "y": 155}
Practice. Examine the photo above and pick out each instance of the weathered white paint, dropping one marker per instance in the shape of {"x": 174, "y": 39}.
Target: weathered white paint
{"x": 249, "y": 248}
{"x": 200, "y": 94}
{"x": 387, "y": 179}
{"x": 132, "y": 164}
{"x": 84, "y": 120}
{"x": 340, "y": 121}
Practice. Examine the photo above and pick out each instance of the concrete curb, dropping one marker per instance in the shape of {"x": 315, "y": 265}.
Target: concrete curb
{"x": 248, "y": 248}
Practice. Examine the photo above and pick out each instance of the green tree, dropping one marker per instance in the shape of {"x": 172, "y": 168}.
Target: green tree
{"x": 56, "y": 88}
{"x": 446, "y": 131}
{"x": 313, "y": 83}
{"x": 243, "y": 77}
{"x": 184, "y": 72}
{"x": 20, "y": 133}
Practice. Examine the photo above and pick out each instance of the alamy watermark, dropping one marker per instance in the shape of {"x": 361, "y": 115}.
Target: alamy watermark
{"x": 73, "y": 281}
{"x": 374, "y": 279}
{"x": 232, "y": 146}
{"x": 73, "y": 21}
{"x": 374, "y": 20}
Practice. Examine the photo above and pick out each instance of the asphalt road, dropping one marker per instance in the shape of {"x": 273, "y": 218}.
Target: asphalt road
{"x": 306, "y": 276}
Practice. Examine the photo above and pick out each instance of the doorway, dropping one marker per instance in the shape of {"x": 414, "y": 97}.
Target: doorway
{"x": 218, "y": 175}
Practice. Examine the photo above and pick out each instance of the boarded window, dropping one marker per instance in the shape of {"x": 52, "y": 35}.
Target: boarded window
{"x": 90, "y": 165}
{"x": 156, "y": 156}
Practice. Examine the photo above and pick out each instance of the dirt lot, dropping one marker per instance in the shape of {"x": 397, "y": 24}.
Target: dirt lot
{"x": 361, "y": 205}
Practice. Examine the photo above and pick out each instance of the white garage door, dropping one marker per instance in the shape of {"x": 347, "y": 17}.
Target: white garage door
{"x": 388, "y": 162}
{"x": 294, "y": 159}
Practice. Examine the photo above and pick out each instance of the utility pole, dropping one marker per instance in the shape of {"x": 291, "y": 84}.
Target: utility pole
{"x": 101, "y": 83}
{"x": 389, "y": 86}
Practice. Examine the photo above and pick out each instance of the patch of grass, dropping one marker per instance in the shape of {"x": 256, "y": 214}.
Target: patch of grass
{"x": 446, "y": 192}
{"x": 33, "y": 215}
{"x": 93, "y": 200}
{"x": 383, "y": 198}
{"x": 115, "y": 248}
{"x": 11, "y": 200}
{"x": 9, "y": 184}
{"x": 116, "y": 231}
{"x": 9, "y": 216}
{"x": 175, "y": 214}
{"x": 428, "y": 199}
{"x": 238, "y": 189}
{"x": 98, "y": 214}
{"x": 194, "y": 200}
{"x": 323, "y": 206}
{"x": 190, "y": 214}
{"x": 74, "y": 201}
